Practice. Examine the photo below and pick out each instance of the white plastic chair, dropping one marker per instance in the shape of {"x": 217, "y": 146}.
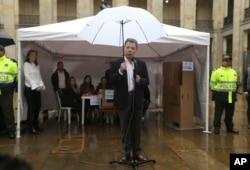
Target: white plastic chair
{"x": 64, "y": 109}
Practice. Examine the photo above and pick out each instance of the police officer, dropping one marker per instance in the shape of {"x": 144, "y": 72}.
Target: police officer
{"x": 223, "y": 83}
{"x": 8, "y": 77}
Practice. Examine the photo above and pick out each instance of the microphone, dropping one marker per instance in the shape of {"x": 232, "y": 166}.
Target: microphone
{"x": 134, "y": 60}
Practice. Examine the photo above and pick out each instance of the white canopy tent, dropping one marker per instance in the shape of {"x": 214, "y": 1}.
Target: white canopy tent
{"x": 59, "y": 42}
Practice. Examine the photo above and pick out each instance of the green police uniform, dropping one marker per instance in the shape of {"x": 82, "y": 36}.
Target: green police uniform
{"x": 8, "y": 80}
{"x": 223, "y": 83}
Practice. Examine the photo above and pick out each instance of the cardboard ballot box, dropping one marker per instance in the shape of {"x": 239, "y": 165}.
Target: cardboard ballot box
{"x": 107, "y": 98}
{"x": 178, "y": 98}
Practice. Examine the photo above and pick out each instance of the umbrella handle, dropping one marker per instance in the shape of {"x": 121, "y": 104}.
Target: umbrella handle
{"x": 122, "y": 27}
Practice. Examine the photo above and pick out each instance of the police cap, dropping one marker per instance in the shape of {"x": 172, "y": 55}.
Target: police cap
{"x": 227, "y": 58}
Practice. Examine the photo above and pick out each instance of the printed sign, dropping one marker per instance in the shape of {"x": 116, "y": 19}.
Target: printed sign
{"x": 109, "y": 94}
{"x": 187, "y": 66}
{"x": 95, "y": 101}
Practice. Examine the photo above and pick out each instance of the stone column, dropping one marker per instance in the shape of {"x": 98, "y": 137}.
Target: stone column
{"x": 120, "y": 3}
{"x": 54, "y": 11}
{"x": 85, "y": 8}
{"x": 237, "y": 50}
{"x": 156, "y": 8}
{"x": 8, "y": 17}
{"x": 218, "y": 20}
{"x": 45, "y": 8}
{"x": 188, "y": 13}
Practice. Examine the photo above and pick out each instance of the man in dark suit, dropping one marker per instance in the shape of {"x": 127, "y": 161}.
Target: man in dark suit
{"x": 60, "y": 77}
{"x": 129, "y": 76}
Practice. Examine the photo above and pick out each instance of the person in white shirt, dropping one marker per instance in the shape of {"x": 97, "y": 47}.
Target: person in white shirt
{"x": 32, "y": 90}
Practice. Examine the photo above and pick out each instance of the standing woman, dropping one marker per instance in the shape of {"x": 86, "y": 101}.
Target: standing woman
{"x": 32, "y": 90}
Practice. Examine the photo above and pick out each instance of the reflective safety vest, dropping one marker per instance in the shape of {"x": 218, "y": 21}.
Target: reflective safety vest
{"x": 8, "y": 71}
{"x": 224, "y": 79}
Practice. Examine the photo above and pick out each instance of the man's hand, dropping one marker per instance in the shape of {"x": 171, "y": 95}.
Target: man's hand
{"x": 245, "y": 94}
{"x": 137, "y": 79}
{"x": 122, "y": 67}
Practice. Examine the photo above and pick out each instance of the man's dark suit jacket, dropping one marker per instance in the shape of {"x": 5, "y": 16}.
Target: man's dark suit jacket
{"x": 121, "y": 84}
{"x": 55, "y": 79}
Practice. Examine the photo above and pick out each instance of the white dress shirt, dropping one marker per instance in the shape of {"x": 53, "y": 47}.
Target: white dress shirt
{"x": 61, "y": 78}
{"x": 32, "y": 75}
{"x": 130, "y": 74}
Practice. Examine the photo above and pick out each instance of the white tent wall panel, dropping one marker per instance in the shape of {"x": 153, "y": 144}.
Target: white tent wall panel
{"x": 79, "y": 66}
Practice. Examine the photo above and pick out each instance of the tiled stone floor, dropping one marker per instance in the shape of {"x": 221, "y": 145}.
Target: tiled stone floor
{"x": 63, "y": 147}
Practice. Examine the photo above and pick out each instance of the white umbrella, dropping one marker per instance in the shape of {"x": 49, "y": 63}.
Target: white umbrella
{"x": 112, "y": 26}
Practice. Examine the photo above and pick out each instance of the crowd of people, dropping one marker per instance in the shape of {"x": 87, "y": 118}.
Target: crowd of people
{"x": 128, "y": 78}
{"x": 71, "y": 93}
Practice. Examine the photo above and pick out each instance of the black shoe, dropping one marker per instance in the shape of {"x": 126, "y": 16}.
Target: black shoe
{"x": 216, "y": 130}
{"x": 12, "y": 135}
{"x": 33, "y": 131}
{"x": 39, "y": 129}
{"x": 140, "y": 158}
{"x": 233, "y": 130}
{"x": 248, "y": 126}
{"x": 124, "y": 158}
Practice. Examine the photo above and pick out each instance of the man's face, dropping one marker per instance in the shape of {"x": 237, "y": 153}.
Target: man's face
{"x": 227, "y": 63}
{"x": 60, "y": 66}
{"x": 130, "y": 50}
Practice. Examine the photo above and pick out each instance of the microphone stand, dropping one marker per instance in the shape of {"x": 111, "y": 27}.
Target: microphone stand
{"x": 134, "y": 162}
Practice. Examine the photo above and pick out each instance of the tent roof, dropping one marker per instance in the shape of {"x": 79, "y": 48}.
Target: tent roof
{"x": 61, "y": 39}
{"x": 67, "y": 30}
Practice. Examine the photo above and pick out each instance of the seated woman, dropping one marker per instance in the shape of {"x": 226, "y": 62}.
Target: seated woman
{"x": 87, "y": 88}
{"x": 102, "y": 86}
{"x": 72, "y": 97}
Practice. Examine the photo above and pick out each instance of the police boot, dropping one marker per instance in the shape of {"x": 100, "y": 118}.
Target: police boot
{"x": 12, "y": 133}
{"x": 216, "y": 130}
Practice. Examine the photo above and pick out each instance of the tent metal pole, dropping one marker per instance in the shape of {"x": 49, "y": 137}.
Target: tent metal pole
{"x": 19, "y": 104}
{"x": 207, "y": 92}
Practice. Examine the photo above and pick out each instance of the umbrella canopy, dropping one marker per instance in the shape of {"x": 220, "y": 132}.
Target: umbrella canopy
{"x": 6, "y": 39}
{"x": 112, "y": 26}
